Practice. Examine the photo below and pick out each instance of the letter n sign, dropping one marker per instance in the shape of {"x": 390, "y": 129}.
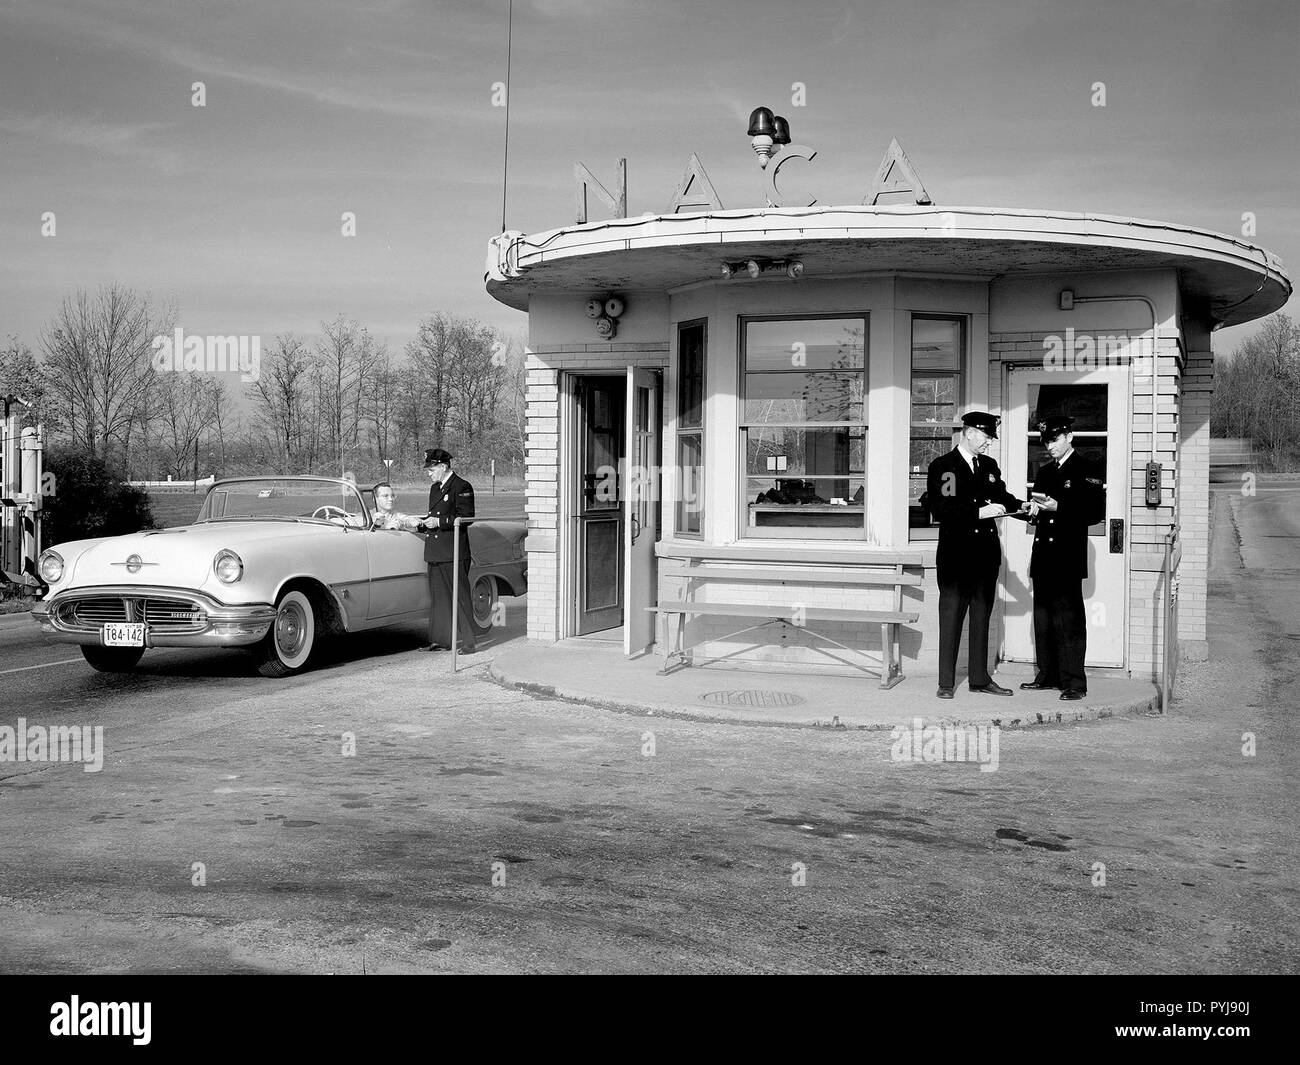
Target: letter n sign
{"x": 585, "y": 180}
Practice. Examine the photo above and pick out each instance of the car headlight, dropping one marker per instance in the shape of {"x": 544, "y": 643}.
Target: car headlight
{"x": 228, "y": 566}
{"x": 50, "y": 565}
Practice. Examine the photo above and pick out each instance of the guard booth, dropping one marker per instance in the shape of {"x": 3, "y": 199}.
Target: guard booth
{"x": 21, "y": 479}
{"x": 756, "y": 394}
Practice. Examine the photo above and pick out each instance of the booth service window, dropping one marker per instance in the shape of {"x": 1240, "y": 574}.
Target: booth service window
{"x": 692, "y": 342}
{"x": 938, "y": 369}
{"x": 803, "y": 426}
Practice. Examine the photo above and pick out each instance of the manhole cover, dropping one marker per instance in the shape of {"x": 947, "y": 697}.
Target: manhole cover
{"x": 753, "y": 697}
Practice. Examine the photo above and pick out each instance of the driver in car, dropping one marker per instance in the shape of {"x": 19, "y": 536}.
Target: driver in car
{"x": 385, "y": 517}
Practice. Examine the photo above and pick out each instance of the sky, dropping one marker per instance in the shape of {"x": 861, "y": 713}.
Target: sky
{"x": 233, "y": 210}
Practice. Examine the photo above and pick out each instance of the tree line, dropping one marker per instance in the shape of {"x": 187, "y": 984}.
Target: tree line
{"x": 336, "y": 403}
{"x": 1257, "y": 393}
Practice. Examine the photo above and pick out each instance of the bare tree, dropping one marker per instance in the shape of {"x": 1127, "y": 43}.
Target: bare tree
{"x": 345, "y": 360}
{"x": 1257, "y": 394}
{"x": 511, "y": 410}
{"x": 475, "y": 381}
{"x": 186, "y": 416}
{"x": 432, "y": 356}
{"x": 281, "y": 400}
{"x": 221, "y": 416}
{"x": 97, "y": 360}
{"x": 381, "y": 402}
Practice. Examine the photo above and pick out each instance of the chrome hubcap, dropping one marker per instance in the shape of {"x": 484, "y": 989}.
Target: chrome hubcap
{"x": 482, "y": 601}
{"x": 290, "y": 632}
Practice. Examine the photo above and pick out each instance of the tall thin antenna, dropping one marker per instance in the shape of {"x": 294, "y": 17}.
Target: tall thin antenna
{"x": 505, "y": 161}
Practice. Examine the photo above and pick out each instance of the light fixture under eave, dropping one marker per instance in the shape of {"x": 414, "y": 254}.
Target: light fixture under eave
{"x": 756, "y": 267}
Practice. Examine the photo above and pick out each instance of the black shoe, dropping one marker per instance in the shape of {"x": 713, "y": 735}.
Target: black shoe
{"x": 468, "y": 650}
{"x": 1071, "y": 695}
{"x": 991, "y": 688}
{"x": 432, "y": 647}
{"x": 1037, "y": 685}
{"x": 943, "y": 693}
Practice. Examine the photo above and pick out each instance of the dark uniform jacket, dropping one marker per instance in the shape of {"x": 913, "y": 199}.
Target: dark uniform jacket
{"x": 447, "y": 502}
{"x": 968, "y": 547}
{"x": 1061, "y": 539}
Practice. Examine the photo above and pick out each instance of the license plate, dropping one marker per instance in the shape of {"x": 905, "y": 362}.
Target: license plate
{"x": 131, "y": 635}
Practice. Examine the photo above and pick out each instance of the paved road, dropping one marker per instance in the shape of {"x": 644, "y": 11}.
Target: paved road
{"x": 618, "y": 860}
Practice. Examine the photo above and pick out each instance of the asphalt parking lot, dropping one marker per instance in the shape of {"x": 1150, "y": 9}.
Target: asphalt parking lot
{"x": 382, "y": 815}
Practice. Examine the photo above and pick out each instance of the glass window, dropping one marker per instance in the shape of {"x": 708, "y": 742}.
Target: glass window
{"x": 938, "y": 371}
{"x": 804, "y": 426}
{"x": 691, "y": 351}
{"x": 1086, "y": 404}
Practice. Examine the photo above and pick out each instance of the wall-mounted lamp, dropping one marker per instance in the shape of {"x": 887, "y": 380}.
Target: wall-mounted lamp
{"x": 767, "y": 132}
{"x": 755, "y": 268}
{"x": 1067, "y": 299}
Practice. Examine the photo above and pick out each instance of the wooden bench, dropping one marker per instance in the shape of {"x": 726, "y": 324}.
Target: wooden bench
{"x": 705, "y": 569}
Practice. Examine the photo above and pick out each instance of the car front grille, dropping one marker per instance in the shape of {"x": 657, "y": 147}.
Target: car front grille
{"x": 163, "y": 614}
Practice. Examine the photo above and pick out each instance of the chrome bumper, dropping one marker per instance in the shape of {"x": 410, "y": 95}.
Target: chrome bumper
{"x": 173, "y": 617}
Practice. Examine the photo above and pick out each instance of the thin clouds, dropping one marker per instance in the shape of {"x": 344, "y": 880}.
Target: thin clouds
{"x": 133, "y": 141}
{"x": 328, "y": 87}
{"x": 384, "y": 107}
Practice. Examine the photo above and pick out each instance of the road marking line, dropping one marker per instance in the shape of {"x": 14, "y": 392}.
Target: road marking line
{"x": 43, "y": 665}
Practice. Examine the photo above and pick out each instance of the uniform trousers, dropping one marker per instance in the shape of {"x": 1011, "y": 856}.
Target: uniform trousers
{"x": 955, "y": 598}
{"x": 1060, "y": 632}
{"x": 440, "y": 591}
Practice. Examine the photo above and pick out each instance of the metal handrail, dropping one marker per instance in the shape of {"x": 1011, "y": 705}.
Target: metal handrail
{"x": 1170, "y": 638}
{"x": 455, "y": 578}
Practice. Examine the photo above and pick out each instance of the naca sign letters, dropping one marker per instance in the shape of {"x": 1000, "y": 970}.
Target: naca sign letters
{"x": 896, "y": 174}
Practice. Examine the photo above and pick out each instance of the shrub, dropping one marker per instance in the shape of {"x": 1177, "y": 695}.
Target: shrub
{"x": 90, "y": 499}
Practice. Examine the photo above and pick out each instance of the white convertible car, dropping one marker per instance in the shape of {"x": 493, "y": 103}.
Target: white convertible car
{"x": 272, "y": 563}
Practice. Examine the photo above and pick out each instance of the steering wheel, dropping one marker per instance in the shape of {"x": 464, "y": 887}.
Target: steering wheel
{"x": 330, "y": 513}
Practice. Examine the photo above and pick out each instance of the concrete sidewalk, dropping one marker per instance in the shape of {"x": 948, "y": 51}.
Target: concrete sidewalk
{"x": 597, "y": 673}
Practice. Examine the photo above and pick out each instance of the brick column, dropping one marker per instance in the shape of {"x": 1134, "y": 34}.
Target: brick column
{"x": 541, "y": 484}
{"x": 1197, "y": 390}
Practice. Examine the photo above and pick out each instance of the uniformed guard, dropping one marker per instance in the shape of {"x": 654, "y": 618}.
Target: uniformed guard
{"x": 966, "y": 494}
{"x": 1069, "y": 495}
{"x": 450, "y": 497}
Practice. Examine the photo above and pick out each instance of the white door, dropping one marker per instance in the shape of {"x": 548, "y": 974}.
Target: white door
{"x": 641, "y": 516}
{"x": 398, "y": 580}
{"x": 1097, "y": 400}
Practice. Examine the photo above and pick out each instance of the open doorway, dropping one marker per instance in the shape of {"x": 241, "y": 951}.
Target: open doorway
{"x": 599, "y": 406}
{"x": 611, "y": 507}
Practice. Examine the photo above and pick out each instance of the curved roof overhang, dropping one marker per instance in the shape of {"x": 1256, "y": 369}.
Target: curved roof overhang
{"x": 1234, "y": 280}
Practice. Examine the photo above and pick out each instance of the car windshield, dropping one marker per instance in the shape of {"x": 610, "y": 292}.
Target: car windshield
{"x": 285, "y": 499}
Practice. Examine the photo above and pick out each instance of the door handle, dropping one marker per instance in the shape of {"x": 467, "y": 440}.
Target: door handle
{"x": 1116, "y": 536}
